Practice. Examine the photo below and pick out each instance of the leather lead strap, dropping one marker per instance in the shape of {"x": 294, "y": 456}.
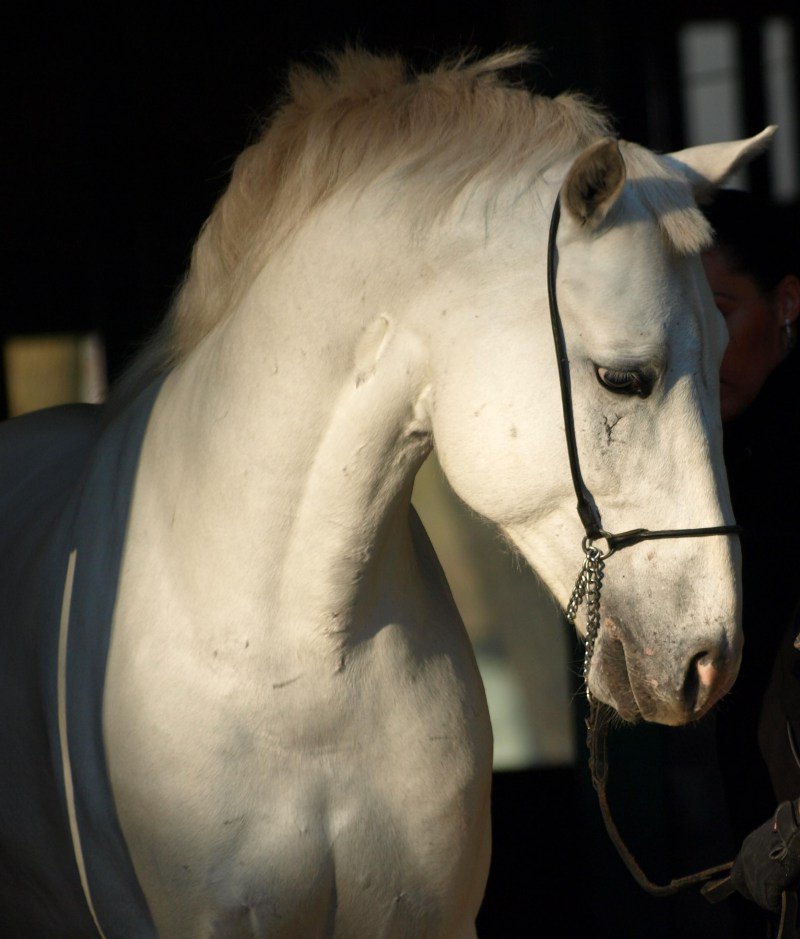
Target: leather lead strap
{"x": 714, "y": 890}
{"x": 596, "y": 740}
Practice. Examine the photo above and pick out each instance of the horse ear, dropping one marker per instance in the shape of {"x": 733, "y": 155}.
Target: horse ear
{"x": 708, "y": 166}
{"x": 594, "y": 182}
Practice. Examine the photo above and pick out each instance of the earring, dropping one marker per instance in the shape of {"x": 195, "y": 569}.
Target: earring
{"x": 790, "y": 336}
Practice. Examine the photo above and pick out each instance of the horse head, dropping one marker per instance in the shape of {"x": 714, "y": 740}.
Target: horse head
{"x": 644, "y": 342}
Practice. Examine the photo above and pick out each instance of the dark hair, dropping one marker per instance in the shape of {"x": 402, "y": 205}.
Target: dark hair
{"x": 760, "y": 239}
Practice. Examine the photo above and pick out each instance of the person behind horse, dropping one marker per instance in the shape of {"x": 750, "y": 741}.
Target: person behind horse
{"x": 754, "y": 273}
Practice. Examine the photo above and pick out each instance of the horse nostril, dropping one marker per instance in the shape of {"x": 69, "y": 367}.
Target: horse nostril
{"x": 701, "y": 679}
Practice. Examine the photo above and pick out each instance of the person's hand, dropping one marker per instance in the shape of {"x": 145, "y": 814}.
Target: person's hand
{"x": 769, "y": 860}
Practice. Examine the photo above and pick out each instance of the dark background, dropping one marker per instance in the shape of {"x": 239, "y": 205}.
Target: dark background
{"x": 119, "y": 128}
{"x": 120, "y": 122}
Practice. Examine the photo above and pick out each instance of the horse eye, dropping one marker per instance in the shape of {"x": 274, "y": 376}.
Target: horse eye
{"x": 623, "y": 382}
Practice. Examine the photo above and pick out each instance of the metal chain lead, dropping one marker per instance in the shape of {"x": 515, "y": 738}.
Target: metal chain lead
{"x": 587, "y": 587}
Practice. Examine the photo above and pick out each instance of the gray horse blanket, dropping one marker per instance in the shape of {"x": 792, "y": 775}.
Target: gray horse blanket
{"x": 66, "y": 482}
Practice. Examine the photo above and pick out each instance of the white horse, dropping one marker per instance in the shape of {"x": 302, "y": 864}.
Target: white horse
{"x": 293, "y": 726}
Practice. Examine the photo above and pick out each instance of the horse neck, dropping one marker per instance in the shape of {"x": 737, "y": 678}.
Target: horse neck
{"x": 284, "y": 452}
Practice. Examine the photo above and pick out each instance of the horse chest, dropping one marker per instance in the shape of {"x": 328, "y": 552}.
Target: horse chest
{"x": 357, "y": 800}
{"x": 353, "y": 856}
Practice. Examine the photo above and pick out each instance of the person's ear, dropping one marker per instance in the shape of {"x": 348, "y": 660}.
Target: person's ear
{"x": 787, "y": 299}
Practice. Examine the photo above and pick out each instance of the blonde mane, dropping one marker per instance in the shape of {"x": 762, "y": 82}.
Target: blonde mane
{"x": 366, "y": 115}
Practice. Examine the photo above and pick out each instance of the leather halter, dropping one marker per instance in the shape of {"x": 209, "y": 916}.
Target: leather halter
{"x": 587, "y": 507}
{"x": 588, "y": 587}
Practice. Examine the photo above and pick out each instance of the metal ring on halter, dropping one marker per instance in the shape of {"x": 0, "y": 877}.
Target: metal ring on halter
{"x": 588, "y": 544}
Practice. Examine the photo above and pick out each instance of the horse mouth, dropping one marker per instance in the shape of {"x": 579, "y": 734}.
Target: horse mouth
{"x": 609, "y": 678}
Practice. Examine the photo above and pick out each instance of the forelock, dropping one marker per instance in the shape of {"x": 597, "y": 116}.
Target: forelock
{"x": 666, "y": 193}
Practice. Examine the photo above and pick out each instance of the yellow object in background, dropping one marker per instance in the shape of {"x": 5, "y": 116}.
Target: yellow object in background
{"x": 42, "y": 371}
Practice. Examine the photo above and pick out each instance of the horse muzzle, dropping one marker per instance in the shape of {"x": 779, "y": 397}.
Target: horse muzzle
{"x": 673, "y": 685}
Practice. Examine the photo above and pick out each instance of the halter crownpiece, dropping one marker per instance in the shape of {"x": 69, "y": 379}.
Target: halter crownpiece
{"x": 590, "y": 581}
